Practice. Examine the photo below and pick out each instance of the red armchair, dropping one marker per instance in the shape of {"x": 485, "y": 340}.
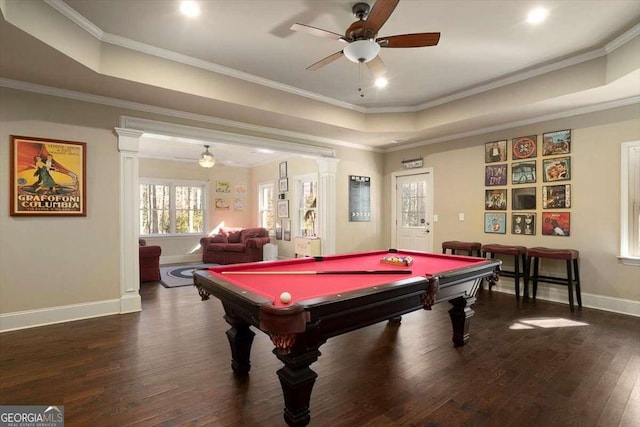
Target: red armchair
{"x": 149, "y": 261}
{"x": 234, "y": 246}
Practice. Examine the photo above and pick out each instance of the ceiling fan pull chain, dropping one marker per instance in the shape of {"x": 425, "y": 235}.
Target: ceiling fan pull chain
{"x": 360, "y": 91}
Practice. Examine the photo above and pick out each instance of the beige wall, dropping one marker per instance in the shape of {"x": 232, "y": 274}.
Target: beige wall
{"x": 595, "y": 186}
{"x": 57, "y": 264}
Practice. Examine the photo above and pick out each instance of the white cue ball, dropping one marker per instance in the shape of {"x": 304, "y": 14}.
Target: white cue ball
{"x": 285, "y": 297}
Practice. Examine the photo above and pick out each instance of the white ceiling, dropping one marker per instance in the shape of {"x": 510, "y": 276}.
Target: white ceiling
{"x": 485, "y": 46}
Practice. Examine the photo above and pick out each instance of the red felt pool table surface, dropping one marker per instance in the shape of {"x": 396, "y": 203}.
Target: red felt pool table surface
{"x": 307, "y": 287}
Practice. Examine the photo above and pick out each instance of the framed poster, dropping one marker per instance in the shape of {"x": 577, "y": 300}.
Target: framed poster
{"x": 222, "y": 203}
{"x": 495, "y": 200}
{"x": 283, "y": 209}
{"x": 223, "y": 187}
{"x": 495, "y": 175}
{"x": 523, "y": 172}
{"x": 558, "y": 142}
{"x": 495, "y": 151}
{"x": 48, "y": 177}
{"x": 556, "y": 223}
{"x": 556, "y": 196}
{"x": 359, "y": 198}
{"x": 283, "y": 169}
{"x": 283, "y": 185}
{"x": 525, "y": 147}
{"x": 523, "y": 198}
{"x": 523, "y": 223}
{"x": 556, "y": 169}
{"x": 495, "y": 223}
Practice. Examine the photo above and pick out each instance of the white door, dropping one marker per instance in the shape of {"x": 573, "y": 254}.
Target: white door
{"x": 414, "y": 211}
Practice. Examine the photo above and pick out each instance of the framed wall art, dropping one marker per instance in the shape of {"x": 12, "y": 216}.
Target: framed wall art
{"x": 495, "y": 200}
{"x": 495, "y": 151}
{"x": 558, "y": 142}
{"x": 283, "y": 169}
{"x": 523, "y": 198}
{"x": 523, "y": 172}
{"x": 523, "y": 223}
{"x": 556, "y": 169}
{"x": 278, "y": 229}
{"x": 524, "y": 147}
{"x": 283, "y": 185}
{"x": 495, "y": 223}
{"x": 48, "y": 177}
{"x": 556, "y": 196}
{"x": 223, "y": 187}
{"x": 495, "y": 175}
{"x": 359, "y": 198}
{"x": 286, "y": 229}
{"x": 556, "y": 223}
{"x": 283, "y": 209}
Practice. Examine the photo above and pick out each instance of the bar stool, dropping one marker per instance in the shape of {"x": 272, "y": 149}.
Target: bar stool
{"x": 570, "y": 255}
{"x": 469, "y": 247}
{"x": 519, "y": 254}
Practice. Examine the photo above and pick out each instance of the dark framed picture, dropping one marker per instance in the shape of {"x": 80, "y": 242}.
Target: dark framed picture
{"x": 283, "y": 169}
{"x": 523, "y": 198}
{"x": 556, "y": 223}
{"x": 556, "y": 196}
{"x": 523, "y": 172}
{"x": 48, "y": 177}
{"x": 524, "y": 147}
{"x": 278, "y": 229}
{"x": 495, "y": 151}
{"x": 495, "y": 200}
{"x": 286, "y": 229}
{"x": 283, "y": 185}
{"x": 495, "y": 175}
{"x": 523, "y": 223}
{"x": 283, "y": 209}
{"x": 556, "y": 169}
{"x": 495, "y": 223}
{"x": 557, "y": 142}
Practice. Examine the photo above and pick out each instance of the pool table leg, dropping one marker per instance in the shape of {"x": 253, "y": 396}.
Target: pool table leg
{"x": 297, "y": 380}
{"x": 240, "y": 340}
{"x": 461, "y": 314}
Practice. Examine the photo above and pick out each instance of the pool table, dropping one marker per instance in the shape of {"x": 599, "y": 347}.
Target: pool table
{"x": 329, "y": 296}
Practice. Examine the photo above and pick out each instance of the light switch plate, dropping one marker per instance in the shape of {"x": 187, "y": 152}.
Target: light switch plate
{"x": 460, "y": 217}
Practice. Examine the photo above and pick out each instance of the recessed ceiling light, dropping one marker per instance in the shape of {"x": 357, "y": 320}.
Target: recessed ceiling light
{"x": 381, "y": 82}
{"x": 537, "y": 15}
{"x": 190, "y": 8}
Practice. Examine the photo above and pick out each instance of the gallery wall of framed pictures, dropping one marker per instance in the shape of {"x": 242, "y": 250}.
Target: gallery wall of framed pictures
{"x": 525, "y": 176}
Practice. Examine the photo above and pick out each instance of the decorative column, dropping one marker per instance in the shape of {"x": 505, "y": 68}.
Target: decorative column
{"x": 327, "y": 168}
{"x": 128, "y": 142}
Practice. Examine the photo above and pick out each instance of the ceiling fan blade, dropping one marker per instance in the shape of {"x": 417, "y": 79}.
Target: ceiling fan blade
{"x": 410, "y": 40}
{"x": 318, "y": 32}
{"x": 378, "y": 15}
{"x": 329, "y": 59}
{"x": 376, "y": 66}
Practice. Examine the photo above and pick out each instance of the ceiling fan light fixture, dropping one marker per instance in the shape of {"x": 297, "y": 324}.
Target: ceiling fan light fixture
{"x": 361, "y": 51}
{"x": 206, "y": 159}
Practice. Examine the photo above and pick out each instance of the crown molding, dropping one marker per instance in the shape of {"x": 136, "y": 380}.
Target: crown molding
{"x": 539, "y": 119}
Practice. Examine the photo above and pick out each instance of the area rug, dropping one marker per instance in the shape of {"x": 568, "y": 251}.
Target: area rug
{"x": 180, "y": 275}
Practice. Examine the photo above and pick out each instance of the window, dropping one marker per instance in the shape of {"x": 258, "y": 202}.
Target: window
{"x": 307, "y": 206}
{"x": 266, "y": 211}
{"x": 172, "y": 207}
{"x": 413, "y": 204}
{"x": 630, "y": 203}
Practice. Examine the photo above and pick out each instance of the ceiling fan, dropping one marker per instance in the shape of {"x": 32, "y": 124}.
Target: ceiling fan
{"x": 362, "y": 44}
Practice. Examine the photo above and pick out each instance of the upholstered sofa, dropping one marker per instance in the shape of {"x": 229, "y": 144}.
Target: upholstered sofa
{"x": 232, "y": 246}
{"x": 149, "y": 261}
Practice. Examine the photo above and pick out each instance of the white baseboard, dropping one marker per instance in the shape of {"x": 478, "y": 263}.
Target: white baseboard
{"x": 559, "y": 294}
{"x": 179, "y": 259}
{"x": 66, "y": 313}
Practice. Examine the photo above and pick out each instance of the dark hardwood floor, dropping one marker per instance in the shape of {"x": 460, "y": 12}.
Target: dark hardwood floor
{"x": 532, "y": 364}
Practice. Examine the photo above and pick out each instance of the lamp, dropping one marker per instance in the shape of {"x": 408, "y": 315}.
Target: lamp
{"x": 206, "y": 159}
{"x": 361, "y": 51}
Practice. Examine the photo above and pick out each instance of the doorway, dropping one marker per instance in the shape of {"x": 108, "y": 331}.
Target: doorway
{"x": 412, "y": 207}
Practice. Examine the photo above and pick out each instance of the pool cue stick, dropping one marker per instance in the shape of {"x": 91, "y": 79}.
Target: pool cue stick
{"x": 311, "y": 272}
